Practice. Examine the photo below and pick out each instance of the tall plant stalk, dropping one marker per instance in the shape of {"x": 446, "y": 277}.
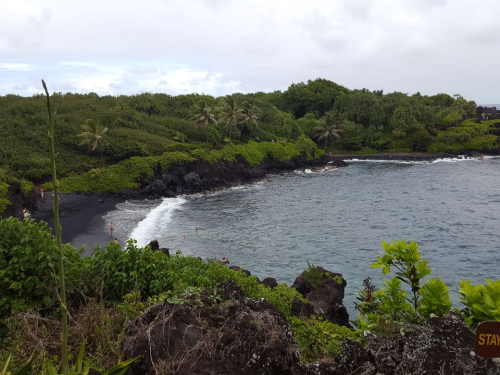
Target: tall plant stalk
{"x": 57, "y": 225}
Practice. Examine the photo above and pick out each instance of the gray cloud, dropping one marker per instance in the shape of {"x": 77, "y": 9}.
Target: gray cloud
{"x": 222, "y": 46}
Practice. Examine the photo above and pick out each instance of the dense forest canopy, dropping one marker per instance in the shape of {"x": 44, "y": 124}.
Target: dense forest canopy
{"x": 150, "y": 124}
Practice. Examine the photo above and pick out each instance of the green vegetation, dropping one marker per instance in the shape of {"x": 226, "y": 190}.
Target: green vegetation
{"x": 124, "y": 128}
{"x": 126, "y": 174}
{"x": 109, "y": 288}
{"x": 92, "y": 136}
{"x": 395, "y": 303}
{"x": 482, "y": 301}
{"x": 319, "y": 338}
{"x": 313, "y": 278}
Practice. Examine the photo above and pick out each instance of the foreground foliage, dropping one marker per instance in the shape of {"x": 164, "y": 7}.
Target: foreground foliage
{"x": 108, "y": 289}
{"x": 114, "y": 285}
{"x": 413, "y": 302}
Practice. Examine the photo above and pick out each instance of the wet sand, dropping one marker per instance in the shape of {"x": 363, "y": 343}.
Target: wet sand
{"x": 81, "y": 217}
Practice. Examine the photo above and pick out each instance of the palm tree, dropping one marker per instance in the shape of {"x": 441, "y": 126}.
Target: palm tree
{"x": 328, "y": 127}
{"x": 92, "y": 135}
{"x": 203, "y": 116}
{"x": 249, "y": 116}
{"x": 229, "y": 113}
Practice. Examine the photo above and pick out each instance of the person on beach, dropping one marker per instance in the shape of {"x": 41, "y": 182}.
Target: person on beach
{"x": 42, "y": 193}
{"x": 225, "y": 261}
{"x": 111, "y": 228}
{"x": 116, "y": 241}
{"x": 58, "y": 194}
{"x": 26, "y": 213}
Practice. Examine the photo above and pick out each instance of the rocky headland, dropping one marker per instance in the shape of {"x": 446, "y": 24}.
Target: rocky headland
{"x": 238, "y": 335}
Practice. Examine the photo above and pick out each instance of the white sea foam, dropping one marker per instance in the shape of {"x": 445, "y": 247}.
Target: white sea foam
{"x": 459, "y": 158}
{"x": 315, "y": 170}
{"x": 386, "y": 161}
{"x": 453, "y": 160}
{"x": 156, "y": 221}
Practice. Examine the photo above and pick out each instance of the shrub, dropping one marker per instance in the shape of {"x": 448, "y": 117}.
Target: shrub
{"x": 124, "y": 175}
{"x": 435, "y": 298}
{"x": 28, "y": 261}
{"x": 313, "y": 277}
{"x": 26, "y": 187}
{"x": 394, "y": 303}
{"x": 4, "y": 202}
{"x": 318, "y": 338}
{"x": 481, "y": 302}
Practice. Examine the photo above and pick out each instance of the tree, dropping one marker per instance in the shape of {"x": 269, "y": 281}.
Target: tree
{"x": 203, "y": 116}
{"x": 92, "y": 135}
{"x": 248, "y": 117}
{"x": 229, "y": 113}
{"x": 403, "y": 121}
{"x": 328, "y": 127}
{"x": 353, "y": 136}
{"x": 317, "y": 97}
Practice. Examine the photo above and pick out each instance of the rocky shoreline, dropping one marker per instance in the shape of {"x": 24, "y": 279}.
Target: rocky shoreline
{"x": 81, "y": 213}
{"x": 238, "y": 335}
{"x": 441, "y": 345}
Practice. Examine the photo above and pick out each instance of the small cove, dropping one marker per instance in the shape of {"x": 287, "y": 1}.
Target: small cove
{"x": 337, "y": 219}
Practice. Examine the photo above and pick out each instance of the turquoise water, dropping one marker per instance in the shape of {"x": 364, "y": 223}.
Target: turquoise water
{"x": 337, "y": 219}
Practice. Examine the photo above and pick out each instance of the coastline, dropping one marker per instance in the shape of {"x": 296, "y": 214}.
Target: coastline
{"x": 81, "y": 218}
{"x": 81, "y": 215}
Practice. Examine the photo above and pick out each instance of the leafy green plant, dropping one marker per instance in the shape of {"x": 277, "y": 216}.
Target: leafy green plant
{"x": 4, "y": 202}
{"x": 27, "y": 266}
{"x": 393, "y": 301}
{"x": 435, "y": 298}
{"x": 403, "y": 298}
{"x": 319, "y": 338}
{"x": 405, "y": 258}
{"x": 336, "y": 278}
{"x": 26, "y": 187}
{"x": 481, "y": 302}
{"x": 313, "y": 277}
{"x": 24, "y": 370}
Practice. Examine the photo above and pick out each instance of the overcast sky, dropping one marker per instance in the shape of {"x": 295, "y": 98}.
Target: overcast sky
{"x": 219, "y": 47}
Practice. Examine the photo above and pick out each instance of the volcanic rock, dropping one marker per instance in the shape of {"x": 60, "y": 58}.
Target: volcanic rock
{"x": 441, "y": 346}
{"x": 327, "y": 297}
{"x": 236, "y": 336}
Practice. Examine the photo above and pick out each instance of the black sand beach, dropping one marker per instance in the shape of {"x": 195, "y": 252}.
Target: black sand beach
{"x": 82, "y": 220}
{"x": 81, "y": 217}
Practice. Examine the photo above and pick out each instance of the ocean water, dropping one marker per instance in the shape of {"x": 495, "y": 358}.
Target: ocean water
{"x": 337, "y": 219}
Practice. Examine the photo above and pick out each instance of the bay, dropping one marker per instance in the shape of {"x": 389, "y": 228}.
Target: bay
{"x": 337, "y": 219}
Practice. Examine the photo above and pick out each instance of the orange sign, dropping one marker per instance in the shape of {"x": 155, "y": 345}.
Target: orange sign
{"x": 488, "y": 340}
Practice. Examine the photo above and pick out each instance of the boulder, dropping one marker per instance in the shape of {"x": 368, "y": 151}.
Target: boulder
{"x": 156, "y": 247}
{"x": 443, "y": 345}
{"x": 440, "y": 346}
{"x": 270, "y": 282}
{"x": 193, "y": 182}
{"x": 301, "y": 309}
{"x": 353, "y": 359}
{"x": 202, "y": 336}
{"x": 236, "y": 268}
{"x": 327, "y": 297}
